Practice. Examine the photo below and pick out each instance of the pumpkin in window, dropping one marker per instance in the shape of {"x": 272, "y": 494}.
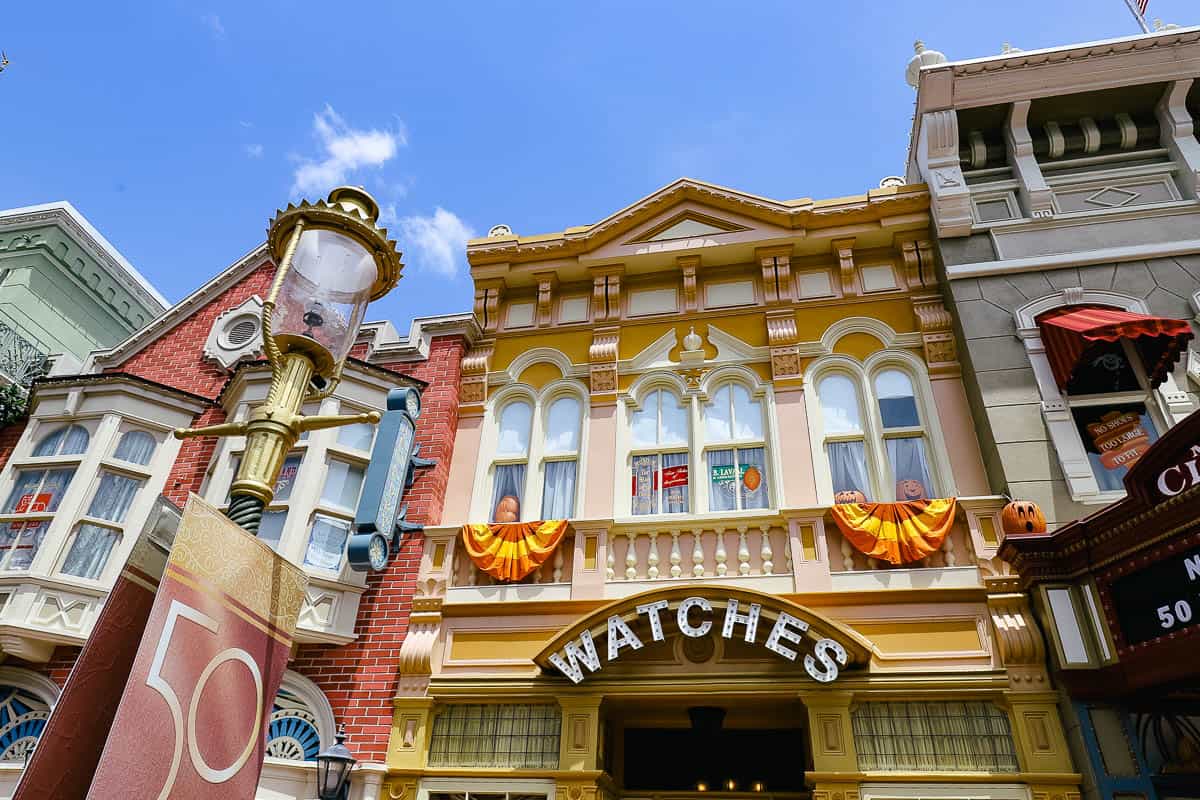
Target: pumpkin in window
{"x": 508, "y": 509}
{"x": 1022, "y": 516}
{"x": 909, "y": 489}
{"x": 849, "y": 496}
{"x": 752, "y": 479}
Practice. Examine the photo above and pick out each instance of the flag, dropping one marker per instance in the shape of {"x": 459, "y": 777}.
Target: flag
{"x": 1141, "y": 6}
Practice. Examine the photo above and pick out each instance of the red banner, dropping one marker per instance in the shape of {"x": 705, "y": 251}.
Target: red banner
{"x": 191, "y": 721}
{"x": 1120, "y": 438}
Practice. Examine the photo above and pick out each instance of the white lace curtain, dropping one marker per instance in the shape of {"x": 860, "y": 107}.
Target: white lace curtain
{"x": 94, "y": 543}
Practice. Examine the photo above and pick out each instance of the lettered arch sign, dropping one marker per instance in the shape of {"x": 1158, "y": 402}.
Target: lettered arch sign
{"x": 820, "y": 647}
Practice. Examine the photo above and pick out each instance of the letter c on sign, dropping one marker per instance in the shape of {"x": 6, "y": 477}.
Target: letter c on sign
{"x": 1162, "y": 482}
{"x": 681, "y": 617}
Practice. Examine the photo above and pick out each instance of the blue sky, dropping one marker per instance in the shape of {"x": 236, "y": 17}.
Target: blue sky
{"x": 178, "y": 127}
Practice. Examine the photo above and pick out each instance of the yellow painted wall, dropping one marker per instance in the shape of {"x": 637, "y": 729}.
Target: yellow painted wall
{"x": 573, "y": 344}
{"x": 538, "y": 375}
{"x": 496, "y": 645}
{"x": 857, "y": 345}
{"x": 925, "y": 636}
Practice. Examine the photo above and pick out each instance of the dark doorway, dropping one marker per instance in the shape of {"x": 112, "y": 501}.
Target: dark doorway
{"x": 756, "y": 759}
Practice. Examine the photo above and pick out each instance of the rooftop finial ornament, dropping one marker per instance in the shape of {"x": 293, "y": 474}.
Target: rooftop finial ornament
{"x": 924, "y": 58}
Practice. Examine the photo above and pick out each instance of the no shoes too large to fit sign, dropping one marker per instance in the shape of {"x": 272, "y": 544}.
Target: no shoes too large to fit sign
{"x": 694, "y": 617}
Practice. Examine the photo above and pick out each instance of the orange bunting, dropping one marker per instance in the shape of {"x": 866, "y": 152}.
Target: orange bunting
{"x": 510, "y": 551}
{"x": 898, "y": 533}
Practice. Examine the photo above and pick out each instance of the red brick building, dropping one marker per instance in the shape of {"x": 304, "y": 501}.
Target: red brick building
{"x": 96, "y": 457}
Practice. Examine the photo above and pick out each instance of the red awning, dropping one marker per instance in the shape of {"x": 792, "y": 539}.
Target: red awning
{"x": 1069, "y": 334}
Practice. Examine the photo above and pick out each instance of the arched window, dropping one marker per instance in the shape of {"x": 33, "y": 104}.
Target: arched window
{"x": 879, "y": 447}
{"x": 845, "y": 444}
{"x": 659, "y": 455}
{"x": 903, "y": 435}
{"x": 735, "y": 450}
{"x": 292, "y": 731}
{"x": 511, "y": 461}
{"x": 560, "y": 457}
{"x": 136, "y": 447}
{"x": 66, "y": 441}
{"x": 24, "y": 714}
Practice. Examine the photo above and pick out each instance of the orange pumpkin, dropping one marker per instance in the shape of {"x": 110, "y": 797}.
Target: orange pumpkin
{"x": 508, "y": 509}
{"x": 909, "y": 489}
{"x": 752, "y": 478}
{"x": 849, "y": 496}
{"x": 1022, "y": 516}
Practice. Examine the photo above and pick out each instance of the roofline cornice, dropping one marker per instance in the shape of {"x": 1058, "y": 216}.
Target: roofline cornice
{"x": 180, "y": 312}
{"x": 67, "y": 217}
{"x": 68, "y": 382}
{"x": 793, "y": 214}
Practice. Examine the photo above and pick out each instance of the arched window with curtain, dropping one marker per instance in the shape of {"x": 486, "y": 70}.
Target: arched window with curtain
{"x": 68, "y": 440}
{"x": 560, "y": 457}
{"x": 659, "y": 430}
{"x": 874, "y": 434}
{"x": 735, "y": 450}
{"x": 845, "y": 435}
{"x": 36, "y": 494}
{"x": 903, "y": 435}
{"x": 511, "y": 461}
{"x": 135, "y": 447}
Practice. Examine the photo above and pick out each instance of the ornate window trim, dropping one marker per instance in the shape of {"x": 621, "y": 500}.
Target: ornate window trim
{"x": 35, "y": 684}
{"x": 317, "y": 703}
{"x": 1168, "y": 404}
{"x": 535, "y": 458}
{"x": 863, "y": 375}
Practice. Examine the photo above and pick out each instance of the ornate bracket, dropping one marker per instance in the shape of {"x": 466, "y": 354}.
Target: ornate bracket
{"x": 937, "y": 334}
{"x": 843, "y": 250}
{"x": 602, "y": 356}
{"x": 783, "y": 337}
{"x": 472, "y": 388}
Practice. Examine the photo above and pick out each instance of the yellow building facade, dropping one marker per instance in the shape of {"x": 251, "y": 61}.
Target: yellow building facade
{"x": 690, "y": 384}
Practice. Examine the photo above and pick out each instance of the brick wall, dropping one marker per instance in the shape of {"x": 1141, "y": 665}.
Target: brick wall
{"x": 8, "y": 439}
{"x": 360, "y": 678}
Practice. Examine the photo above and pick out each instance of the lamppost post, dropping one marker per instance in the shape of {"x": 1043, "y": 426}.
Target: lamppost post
{"x": 332, "y": 259}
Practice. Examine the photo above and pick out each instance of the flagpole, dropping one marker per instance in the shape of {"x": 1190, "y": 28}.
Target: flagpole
{"x": 1140, "y": 20}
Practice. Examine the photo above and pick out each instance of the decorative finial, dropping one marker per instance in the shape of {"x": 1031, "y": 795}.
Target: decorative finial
{"x": 924, "y": 58}
{"x": 692, "y": 341}
{"x": 891, "y": 181}
{"x": 497, "y": 231}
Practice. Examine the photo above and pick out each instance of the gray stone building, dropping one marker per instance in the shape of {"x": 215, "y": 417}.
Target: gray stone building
{"x": 1061, "y": 179}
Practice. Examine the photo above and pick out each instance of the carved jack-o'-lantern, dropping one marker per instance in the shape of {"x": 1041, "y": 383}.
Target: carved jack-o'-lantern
{"x": 508, "y": 509}
{"x": 909, "y": 489}
{"x": 1022, "y": 516}
{"x": 849, "y": 496}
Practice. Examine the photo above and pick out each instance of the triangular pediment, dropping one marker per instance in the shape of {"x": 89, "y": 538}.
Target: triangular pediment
{"x": 687, "y": 225}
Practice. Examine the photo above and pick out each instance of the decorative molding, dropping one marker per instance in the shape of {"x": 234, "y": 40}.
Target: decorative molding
{"x": 227, "y": 341}
{"x": 472, "y": 388}
{"x": 537, "y": 355}
{"x": 31, "y": 681}
{"x": 783, "y": 336}
{"x": 1177, "y": 132}
{"x": 547, "y": 283}
{"x": 937, "y": 334}
{"x": 1022, "y": 649}
{"x": 602, "y": 360}
{"x": 1034, "y": 195}
{"x": 424, "y": 629}
{"x": 606, "y": 293}
{"x": 488, "y": 294}
{"x": 776, "y": 265}
{"x": 938, "y": 163}
{"x": 317, "y": 702}
{"x": 655, "y": 355}
{"x": 689, "y": 265}
{"x": 843, "y": 250}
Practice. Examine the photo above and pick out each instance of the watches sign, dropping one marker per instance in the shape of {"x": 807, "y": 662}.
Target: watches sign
{"x": 1159, "y": 599}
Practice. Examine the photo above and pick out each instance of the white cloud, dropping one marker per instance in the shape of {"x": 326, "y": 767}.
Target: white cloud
{"x": 254, "y": 150}
{"x": 345, "y": 149}
{"x": 437, "y": 243}
{"x": 245, "y": 124}
{"x": 213, "y": 23}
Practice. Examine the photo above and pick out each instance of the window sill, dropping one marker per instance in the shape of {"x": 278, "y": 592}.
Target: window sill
{"x": 686, "y": 521}
{"x": 1099, "y": 498}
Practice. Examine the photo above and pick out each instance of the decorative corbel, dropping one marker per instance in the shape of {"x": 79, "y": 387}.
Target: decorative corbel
{"x": 937, "y": 334}
{"x": 938, "y": 162}
{"x": 1034, "y": 194}
{"x": 547, "y": 283}
{"x": 472, "y": 389}
{"x": 843, "y": 250}
{"x": 487, "y": 303}
{"x": 606, "y": 293}
{"x": 602, "y": 357}
{"x": 424, "y": 627}
{"x": 1022, "y": 649}
{"x": 919, "y": 271}
{"x": 776, "y": 263}
{"x": 689, "y": 266}
{"x": 783, "y": 338}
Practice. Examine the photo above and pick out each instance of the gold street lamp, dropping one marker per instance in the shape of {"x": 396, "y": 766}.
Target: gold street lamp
{"x": 332, "y": 260}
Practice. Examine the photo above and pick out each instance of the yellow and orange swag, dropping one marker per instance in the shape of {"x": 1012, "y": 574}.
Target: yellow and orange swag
{"x": 508, "y": 551}
{"x": 898, "y": 533}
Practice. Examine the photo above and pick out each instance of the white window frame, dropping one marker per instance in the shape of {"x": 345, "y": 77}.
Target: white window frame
{"x": 536, "y": 458}
{"x": 633, "y": 403}
{"x": 304, "y": 502}
{"x": 1166, "y": 405}
{"x": 879, "y": 468}
{"x": 758, "y": 395}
